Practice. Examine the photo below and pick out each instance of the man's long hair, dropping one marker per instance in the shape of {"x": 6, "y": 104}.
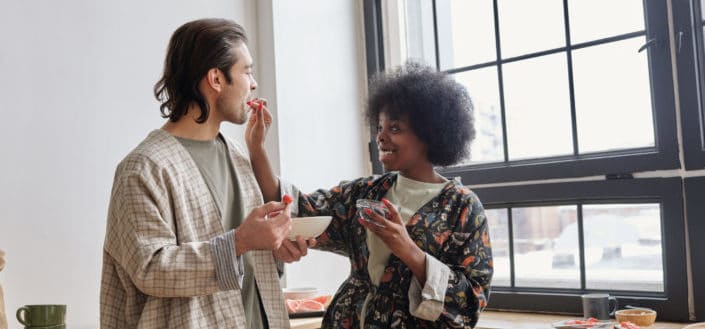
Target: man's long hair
{"x": 195, "y": 48}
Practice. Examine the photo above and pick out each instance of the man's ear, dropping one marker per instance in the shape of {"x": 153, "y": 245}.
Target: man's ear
{"x": 215, "y": 79}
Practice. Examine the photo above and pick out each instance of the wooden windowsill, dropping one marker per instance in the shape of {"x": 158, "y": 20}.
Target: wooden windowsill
{"x": 500, "y": 320}
{"x": 515, "y": 320}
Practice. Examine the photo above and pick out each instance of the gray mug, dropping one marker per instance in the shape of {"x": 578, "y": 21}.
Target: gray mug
{"x": 598, "y": 306}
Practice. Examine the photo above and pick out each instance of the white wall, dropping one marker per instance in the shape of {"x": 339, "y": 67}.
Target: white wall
{"x": 76, "y": 96}
{"x": 76, "y": 83}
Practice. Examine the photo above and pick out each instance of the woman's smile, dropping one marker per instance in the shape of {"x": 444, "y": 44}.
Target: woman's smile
{"x": 386, "y": 154}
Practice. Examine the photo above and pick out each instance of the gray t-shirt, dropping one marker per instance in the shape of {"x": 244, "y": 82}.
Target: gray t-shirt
{"x": 214, "y": 163}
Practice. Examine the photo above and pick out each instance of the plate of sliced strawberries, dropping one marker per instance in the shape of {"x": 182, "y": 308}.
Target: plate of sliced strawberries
{"x": 307, "y": 307}
{"x": 583, "y": 324}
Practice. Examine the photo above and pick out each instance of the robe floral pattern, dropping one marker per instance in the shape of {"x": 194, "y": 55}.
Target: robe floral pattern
{"x": 451, "y": 227}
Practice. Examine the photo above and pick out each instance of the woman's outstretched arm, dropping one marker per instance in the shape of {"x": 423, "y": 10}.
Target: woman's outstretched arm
{"x": 255, "y": 134}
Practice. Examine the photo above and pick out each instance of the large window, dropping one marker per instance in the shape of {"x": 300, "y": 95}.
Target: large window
{"x": 552, "y": 242}
{"x": 555, "y": 94}
{"x": 575, "y": 106}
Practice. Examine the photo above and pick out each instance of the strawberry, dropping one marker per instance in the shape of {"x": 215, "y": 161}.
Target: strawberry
{"x": 628, "y": 325}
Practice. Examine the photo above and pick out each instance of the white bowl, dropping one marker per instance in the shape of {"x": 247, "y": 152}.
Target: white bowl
{"x": 308, "y": 227}
{"x": 300, "y": 293}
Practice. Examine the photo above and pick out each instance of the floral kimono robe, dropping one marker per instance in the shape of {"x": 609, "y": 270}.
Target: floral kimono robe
{"x": 451, "y": 227}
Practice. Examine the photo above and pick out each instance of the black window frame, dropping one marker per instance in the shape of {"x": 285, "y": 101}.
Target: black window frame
{"x": 695, "y": 210}
{"x": 690, "y": 54}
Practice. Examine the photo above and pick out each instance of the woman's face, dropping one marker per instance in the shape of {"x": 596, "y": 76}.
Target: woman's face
{"x": 399, "y": 148}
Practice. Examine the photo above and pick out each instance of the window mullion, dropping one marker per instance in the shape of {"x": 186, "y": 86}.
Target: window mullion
{"x": 571, "y": 92}
{"x": 581, "y": 246}
{"x": 500, "y": 81}
{"x": 510, "y": 222}
{"x": 435, "y": 36}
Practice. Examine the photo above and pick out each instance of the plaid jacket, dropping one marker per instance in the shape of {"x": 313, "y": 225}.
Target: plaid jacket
{"x": 160, "y": 256}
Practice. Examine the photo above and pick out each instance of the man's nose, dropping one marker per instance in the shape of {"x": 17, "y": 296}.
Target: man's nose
{"x": 253, "y": 84}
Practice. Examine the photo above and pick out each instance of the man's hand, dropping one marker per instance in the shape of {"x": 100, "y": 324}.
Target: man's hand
{"x": 258, "y": 232}
{"x": 292, "y": 251}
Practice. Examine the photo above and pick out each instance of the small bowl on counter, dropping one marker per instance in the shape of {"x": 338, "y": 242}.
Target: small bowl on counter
{"x": 642, "y": 317}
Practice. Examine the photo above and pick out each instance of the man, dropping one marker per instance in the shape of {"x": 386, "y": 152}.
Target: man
{"x": 180, "y": 251}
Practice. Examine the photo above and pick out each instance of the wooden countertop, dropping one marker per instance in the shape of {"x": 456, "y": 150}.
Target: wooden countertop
{"x": 500, "y": 320}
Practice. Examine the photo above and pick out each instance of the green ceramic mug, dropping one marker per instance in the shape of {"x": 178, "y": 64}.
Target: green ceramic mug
{"x": 41, "y": 315}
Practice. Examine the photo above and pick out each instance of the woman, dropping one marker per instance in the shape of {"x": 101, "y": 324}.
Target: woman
{"x": 429, "y": 264}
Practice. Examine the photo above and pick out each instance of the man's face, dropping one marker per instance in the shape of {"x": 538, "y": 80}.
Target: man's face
{"x": 231, "y": 102}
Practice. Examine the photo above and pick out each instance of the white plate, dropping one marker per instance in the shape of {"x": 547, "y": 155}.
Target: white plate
{"x": 308, "y": 227}
{"x": 605, "y": 324}
{"x": 300, "y": 293}
{"x": 699, "y": 325}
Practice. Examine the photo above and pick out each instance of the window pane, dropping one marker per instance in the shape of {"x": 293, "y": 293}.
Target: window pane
{"x": 623, "y": 16}
{"x": 498, "y": 222}
{"x": 536, "y": 95}
{"x": 538, "y": 259}
{"x": 483, "y": 88}
{"x": 521, "y": 33}
{"x": 468, "y": 37}
{"x": 613, "y": 97}
{"x": 623, "y": 247}
{"x": 418, "y": 30}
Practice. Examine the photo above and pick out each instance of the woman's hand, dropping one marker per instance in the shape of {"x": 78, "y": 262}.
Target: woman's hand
{"x": 392, "y": 231}
{"x": 258, "y": 124}
{"x": 292, "y": 251}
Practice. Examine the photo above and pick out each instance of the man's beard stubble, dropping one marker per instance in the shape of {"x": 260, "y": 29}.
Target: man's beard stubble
{"x": 237, "y": 114}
